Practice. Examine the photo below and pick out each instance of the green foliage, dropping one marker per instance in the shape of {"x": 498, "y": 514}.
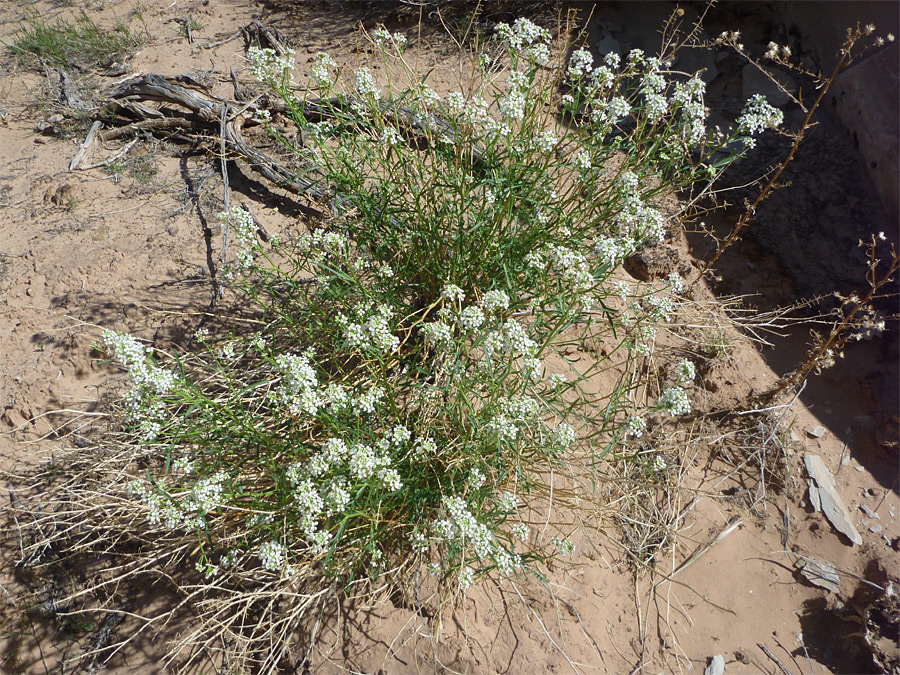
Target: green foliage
{"x": 65, "y": 42}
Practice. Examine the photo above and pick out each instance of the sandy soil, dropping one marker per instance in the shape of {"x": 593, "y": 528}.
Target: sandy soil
{"x": 125, "y": 249}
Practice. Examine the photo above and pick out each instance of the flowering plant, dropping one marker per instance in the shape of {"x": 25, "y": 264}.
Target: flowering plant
{"x": 422, "y": 366}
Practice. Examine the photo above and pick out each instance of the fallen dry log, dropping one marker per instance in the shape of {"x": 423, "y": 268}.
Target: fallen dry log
{"x": 178, "y": 105}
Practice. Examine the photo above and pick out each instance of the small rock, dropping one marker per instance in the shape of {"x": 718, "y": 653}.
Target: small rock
{"x": 654, "y": 262}
{"x": 819, "y": 574}
{"x": 608, "y": 44}
{"x": 172, "y": 229}
{"x": 876, "y": 529}
{"x": 831, "y": 503}
{"x": 794, "y": 437}
{"x": 869, "y": 512}
{"x": 43, "y": 127}
{"x": 55, "y": 119}
{"x": 816, "y": 431}
{"x": 716, "y": 666}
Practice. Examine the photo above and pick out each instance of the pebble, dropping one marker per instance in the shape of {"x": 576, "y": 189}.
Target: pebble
{"x": 876, "y": 528}
{"x": 172, "y": 229}
{"x": 716, "y": 666}
{"x": 816, "y": 431}
{"x": 869, "y": 512}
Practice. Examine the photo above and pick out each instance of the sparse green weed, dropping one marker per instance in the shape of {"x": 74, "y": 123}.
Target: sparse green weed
{"x": 65, "y": 42}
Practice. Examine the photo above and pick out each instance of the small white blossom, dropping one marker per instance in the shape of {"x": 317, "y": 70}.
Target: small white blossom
{"x": 470, "y": 318}
{"x": 494, "y": 301}
{"x": 272, "y": 555}
{"x": 674, "y": 401}
{"x": 365, "y": 84}
{"x": 685, "y": 371}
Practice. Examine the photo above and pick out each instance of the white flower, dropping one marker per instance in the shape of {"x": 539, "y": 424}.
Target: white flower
{"x": 507, "y": 501}
{"x": 521, "y": 531}
{"x": 390, "y": 136}
{"x": 545, "y": 141}
{"x": 266, "y": 66}
{"x": 655, "y": 106}
{"x": 685, "y": 372}
{"x": 456, "y": 102}
{"x": 759, "y": 115}
{"x": 635, "y": 426}
{"x": 320, "y": 72}
{"x": 425, "y": 447}
{"x": 466, "y": 577}
{"x": 556, "y": 380}
{"x": 583, "y": 160}
{"x": 563, "y": 435}
{"x": 674, "y": 401}
{"x": 563, "y": 546}
{"x": 272, "y": 555}
{"x": 521, "y": 34}
{"x": 493, "y": 301}
{"x": 580, "y": 64}
{"x": 298, "y": 390}
{"x": 365, "y": 84}
{"x": 676, "y": 283}
{"x": 470, "y": 318}
{"x": 453, "y": 293}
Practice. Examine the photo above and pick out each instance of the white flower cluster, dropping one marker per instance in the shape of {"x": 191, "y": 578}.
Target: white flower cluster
{"x": 470, "y": 317}
{"x": 511, "y": 338}
{"x": 373, "y": 334}
{"x": 612, "y": 250}
{"x": 659, "y": 308}
{"x": 512, "y": 104}
{"x": 365, "y": 85}
{"x": 245, "y": 233}
{"x": 545, "y": 141}
{"x": 635, "y": 426}
{"x": 513, "y": 412}
{"x": 320, "y": 73}
{"x": 299, "y": 387}
{"x": 688, "y": 96}
{"x": 188, "y": 512}
{"x": 638, "y": 220}
{"x": 322, "y": 242}
{"x": 461, "y": 527}
{"x": 606, "y": 112}
{"x": 381, "y": 37}
{"x": 135, "y": 357}
{"x": 580, "y": 64}
{"x": 526, "y": 38}
{"x": 390, "y": 137}
{"x": 437, "y": 333}
{"x": 494, "y": 301}
{"x": 685, "y": 372}
{"x": 572, "y": 268}
{"x": 273, "y": 556}
{"x": 757, "y": 116}
{"x": 563, "y": 435}
{"x": 675, "y": 282}
{"x": 267, "y": 67}
{"x": 453, "y": 293}
{"x": 149, "y": 381}
{"x": 674, "y": 401}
